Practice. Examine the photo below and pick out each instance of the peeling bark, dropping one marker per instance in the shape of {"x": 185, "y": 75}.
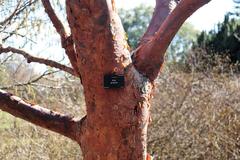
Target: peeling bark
{"x": 162, "y": 9}
{"x": 40, "y": 116}
{"x": 150, "y": 56}
{"x": 117, "y": 119}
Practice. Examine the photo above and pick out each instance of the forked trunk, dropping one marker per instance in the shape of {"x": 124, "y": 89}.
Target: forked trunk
{"x": 117, "y": 118}
{"x": 116, "y": 125}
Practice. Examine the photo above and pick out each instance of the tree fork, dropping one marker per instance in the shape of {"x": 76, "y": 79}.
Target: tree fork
{"x": 117, "y": 119}
{"x": 150, "y": 56}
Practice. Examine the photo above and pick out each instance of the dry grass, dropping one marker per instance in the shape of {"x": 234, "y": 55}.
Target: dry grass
{"x": 23, "y": 141}
{"x": 195, "y": 116}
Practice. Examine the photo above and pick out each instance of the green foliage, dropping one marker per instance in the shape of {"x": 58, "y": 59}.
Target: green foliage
{"x": 135, "y": 22}
{"x": 182, "y": 42}
{"x": 224, "y": 39}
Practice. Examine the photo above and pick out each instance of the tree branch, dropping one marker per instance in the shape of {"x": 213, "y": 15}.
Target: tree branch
{"x": 53, "y": 17}
{"x": 67, "y": 42}
{"x": 162, "y": 9}
{"x": 99, "y": 38}
{"x": 150, "y": 56}
{"x": 38, "y": 60}
{"x": 40, "y": 116}
{"x": 11, "y": 15}
{"x": 18, "y": 10}
{"x": 28, "y": 82}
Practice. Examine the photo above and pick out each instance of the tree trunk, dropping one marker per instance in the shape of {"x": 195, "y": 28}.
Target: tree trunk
{"x": 115, "y": 127}
{"x": 117, "y": 119}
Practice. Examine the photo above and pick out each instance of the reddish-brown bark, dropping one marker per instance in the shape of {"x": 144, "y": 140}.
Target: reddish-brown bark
{"x": 66, "y": 40}
{"x": 117, "y": 119}
{"x": 40, "y": 116}
{"x": 150, "y": 56}
{"x": 162, "y": 9}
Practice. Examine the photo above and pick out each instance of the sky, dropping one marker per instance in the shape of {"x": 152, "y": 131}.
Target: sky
{"x": 204, "y": 19}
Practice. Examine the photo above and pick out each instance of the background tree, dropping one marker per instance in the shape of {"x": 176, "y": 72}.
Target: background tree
{"x": 223, "y": 40}
{"x": 116, "y": 123}
{"x": 135, "y": 22}
{"x": 182, "y": 43}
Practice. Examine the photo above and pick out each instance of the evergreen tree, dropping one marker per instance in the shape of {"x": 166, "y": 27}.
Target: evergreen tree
{"x": 224, "y": 39}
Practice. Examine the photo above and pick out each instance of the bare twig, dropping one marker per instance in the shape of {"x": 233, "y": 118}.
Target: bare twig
{"x": 67, "y": 42}
{"x": 6, "y": 20}
{"x": 6, "y": 59}
{"x": 18, "y": 10}
{"x": 37, "y": 59}
{"x": 30, "y": 82}
{"x": 10, "y": 34}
